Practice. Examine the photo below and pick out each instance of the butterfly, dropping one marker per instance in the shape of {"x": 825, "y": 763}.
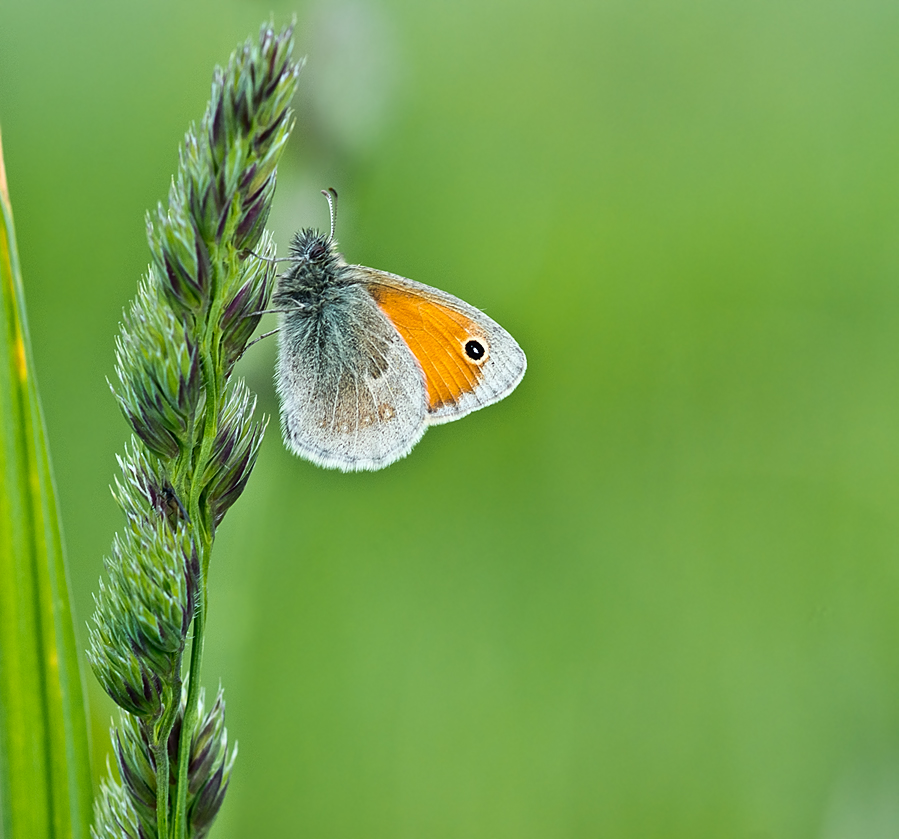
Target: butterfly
{"x": 368, "y": 360}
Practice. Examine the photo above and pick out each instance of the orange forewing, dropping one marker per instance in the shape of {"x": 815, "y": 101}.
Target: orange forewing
{"x": 436, "y": 335}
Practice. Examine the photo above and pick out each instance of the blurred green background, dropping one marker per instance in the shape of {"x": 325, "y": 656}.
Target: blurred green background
{"x": 654, "y": 593}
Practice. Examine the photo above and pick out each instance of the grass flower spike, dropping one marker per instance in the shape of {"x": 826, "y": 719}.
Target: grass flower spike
{"x": 194, "y": 446}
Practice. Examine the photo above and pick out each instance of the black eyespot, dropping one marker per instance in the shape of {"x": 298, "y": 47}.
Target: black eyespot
{"x": 475, "y": 350}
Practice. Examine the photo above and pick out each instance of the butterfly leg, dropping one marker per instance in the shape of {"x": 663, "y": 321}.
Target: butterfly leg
{"x": 257, "y": 340}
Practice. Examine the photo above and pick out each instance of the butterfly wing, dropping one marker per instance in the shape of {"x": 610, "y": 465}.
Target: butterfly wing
{"x": 467, "y": 359}
{"x": 352, "y": 395}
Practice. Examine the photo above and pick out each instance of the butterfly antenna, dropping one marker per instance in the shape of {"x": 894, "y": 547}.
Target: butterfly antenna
{"x": 331, "y": 194}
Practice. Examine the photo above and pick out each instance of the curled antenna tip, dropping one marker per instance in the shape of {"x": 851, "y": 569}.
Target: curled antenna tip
{"x": 331, "y": 194}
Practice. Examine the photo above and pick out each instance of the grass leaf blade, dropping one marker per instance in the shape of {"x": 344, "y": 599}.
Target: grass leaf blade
{"x": 45, "y": 786}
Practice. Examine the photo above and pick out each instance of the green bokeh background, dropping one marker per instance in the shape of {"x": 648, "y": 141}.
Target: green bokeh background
{"x": 654, "y": 593}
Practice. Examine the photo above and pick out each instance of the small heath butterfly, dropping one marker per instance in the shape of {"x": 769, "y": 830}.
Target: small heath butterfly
{"x": 368, "y": 360}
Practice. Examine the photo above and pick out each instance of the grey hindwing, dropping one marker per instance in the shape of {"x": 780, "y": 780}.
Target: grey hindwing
{"x": 352, "y": 394}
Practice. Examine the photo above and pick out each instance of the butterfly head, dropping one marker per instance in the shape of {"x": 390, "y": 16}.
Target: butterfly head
{"x": 315, "y": 250}
{"x": 315, "y": 267}
{"x": 317, "y": 271}
{"x": 315, "y": 254}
